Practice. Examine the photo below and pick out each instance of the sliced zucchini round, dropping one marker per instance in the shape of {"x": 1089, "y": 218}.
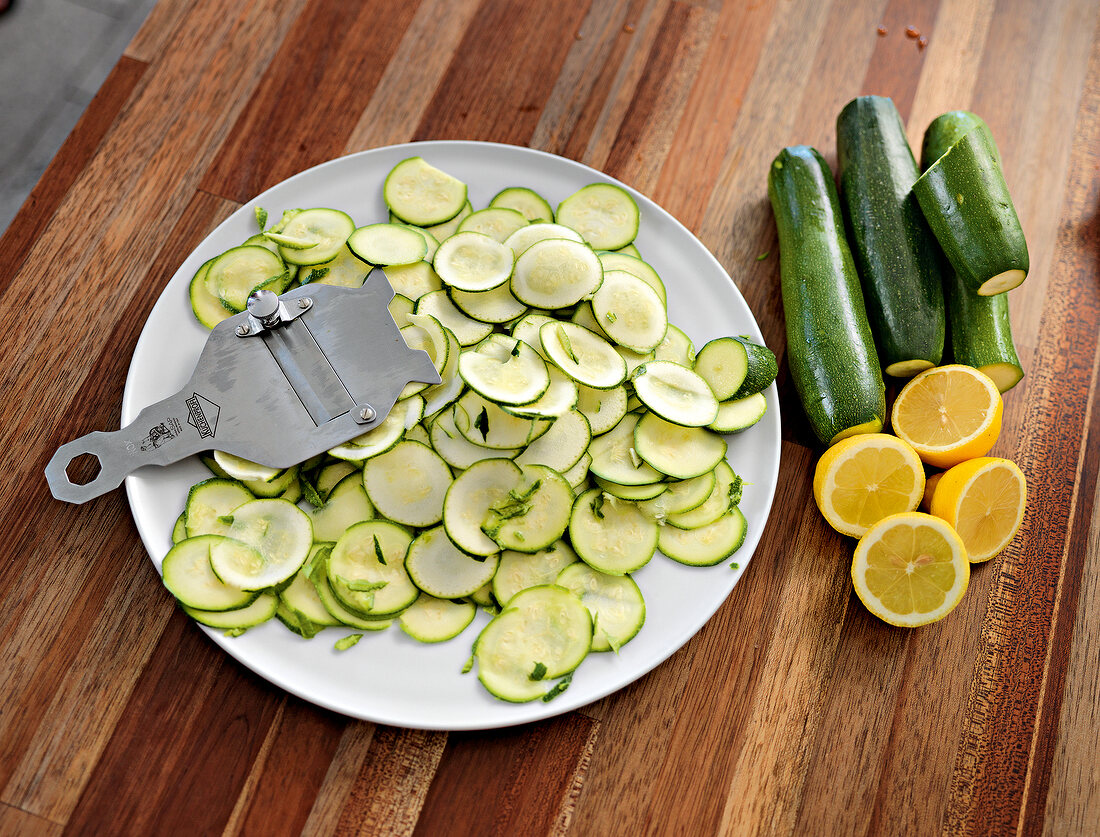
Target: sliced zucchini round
{"x": 484, "y": 423}
{"x": 525, "y": 237}
{"x": 419, "y": 193}
{"x": 723, "y": 497}
{"x": 676, "y": 347}
{"x": 366, "y": 569}
{"x": 470, "y": 498}
{"x": 458, "y": 451}
{"x": 529, "y": 203}
{"x": 346, "y": 504}
{"x": 237, "y": 272}
{"x": 473, "y": 261}
{"x": 318, "y": 235}
{"x": 375, "y": 441}
{"x": 496, "y": 306}
{"x": 630, "y": 312}
{"x": 520, "y": 570}
{"x": 441, "y": 569}
{"x": 279, "y": 532}
{"x": 678, "y": 451}
{"x": 407, "y": 484}
{"x": 505, "y": 371}
{"x": 706, "y": 545}
{"x": 675, "y": 393}
{"x": 208, "y": 501}
{"x": 189, "y": 576}
{"x": 556, "y": 273}
{"x": 615, "y": 602}
{"x": 413, "y": 280}
{"x": 611, "y": 535}
{"x": 603, "y": 213}
{"x": 560, "y": 397}
{"x": 582, "y": 355}
{"x": 680, "y": 496}
{"x": 615, "y": 460}
{"x": 613, "y": 260}
{"x": 468, "y": 331}
{"x": 344, "y": 270}
{"x": 207, "y": 306}
{"x": 562, "y": 446}
{"x": 388, "y": 244}
{"x": 259, "y": 611}
{"x": 739, "y": 414}
{"x": 604, "y": 408}
{"x": 536, "y": 513}
{"x": 545, "y": 632}
{"x": 429, "y": 619}
{"x": 497, "y": 222}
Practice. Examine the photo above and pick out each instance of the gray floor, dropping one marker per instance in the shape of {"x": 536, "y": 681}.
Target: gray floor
{"x": 54, "y": 55}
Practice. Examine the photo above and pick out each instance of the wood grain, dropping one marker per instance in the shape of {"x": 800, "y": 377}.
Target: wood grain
{"x": 792, "y": 711}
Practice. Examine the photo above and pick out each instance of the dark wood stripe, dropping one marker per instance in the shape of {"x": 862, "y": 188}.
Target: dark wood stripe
{"x": 645, "y": 133}
{"x": 899, "y": 57}
{"x": 67, "y": 166}
{"x": 183, "y": 747}
{"x": 502, "y": 73}
{"x": 513, "y": 781}
{"x": 293, "y": 121}
{"x": 305, "y": 741}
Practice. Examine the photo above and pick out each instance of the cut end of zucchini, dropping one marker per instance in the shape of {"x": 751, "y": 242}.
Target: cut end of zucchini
{"x": 1004, "y": 375}
{"x": 872, "y": 426}
{"x": 908, "y": 368}
{"x": 1002, "y": 282}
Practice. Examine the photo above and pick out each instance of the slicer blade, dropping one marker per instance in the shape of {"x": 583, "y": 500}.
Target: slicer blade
{"x": 296, "y": 376}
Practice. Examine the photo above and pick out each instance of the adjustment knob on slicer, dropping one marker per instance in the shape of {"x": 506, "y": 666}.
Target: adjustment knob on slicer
{"x": 264, "y": 306}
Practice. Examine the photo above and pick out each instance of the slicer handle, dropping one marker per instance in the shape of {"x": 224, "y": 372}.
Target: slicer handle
{"x": 160, "y": 435}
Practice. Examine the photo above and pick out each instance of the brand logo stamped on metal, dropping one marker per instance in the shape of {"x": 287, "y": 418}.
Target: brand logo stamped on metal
{"x": 161, "y": 433}
{"x": 202, "y": 414}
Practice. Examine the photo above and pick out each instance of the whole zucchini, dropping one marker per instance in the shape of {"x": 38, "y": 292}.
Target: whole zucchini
{"x": 979, "y": 326}
{"x": 830, "y": 350}
{"x": 965, "y": 200}
{"x": 894, "y": 251}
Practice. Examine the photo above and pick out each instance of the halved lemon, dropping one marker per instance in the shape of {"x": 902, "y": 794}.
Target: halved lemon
{"x": 983, "y": 499}
{"x": 910, "y": 569}
{"x": 948, "y": 414}
{"x": 862, "y": 479}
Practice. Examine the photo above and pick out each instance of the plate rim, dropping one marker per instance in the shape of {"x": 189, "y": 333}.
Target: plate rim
{"x": 562, "y": 704}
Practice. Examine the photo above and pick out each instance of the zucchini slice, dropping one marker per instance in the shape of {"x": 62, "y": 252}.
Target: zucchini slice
{"x": 544, "y": 633}
{"x": 441, "y": 569}
{"x": 604, "y": 214}
{"x": 468, "y": 331}
{"x": 388, "y": 244}
{"x": 740, "y": 413}
{"x": 473, "y": 261}
{"x": 615, "y": 460}
{"x": 259, "y": 611}
{"x": 458, "y": 451}
{"x": 413, "y": 280}
{"x": 706, "y": 545}
{"x": 611, "y": 535}
{"x": 497, "y": 222}
{"x": 345, "y": 505}
{"x": 680, "y": 452}
{"x": 429, "y": 619}
{"x": 470, "y": 499}
{"x": 237, "y": 272}
{"x": 529, "y": 203}
{"x": 279, "y": 532}
{"x": 629, "y": 311}
{"x": 615, "y": 602}
{"x": 556, "y": 273}
{"x": 535, "y": 514}
{"x": 366, "y": 569}
{"x": 520, "y": 570}
{"x": 207, "y": 504}
{"x": 419, "y": 193}
{"x": 318, "y": 235}
{"x": 582, "y": 355}
{"x": 562, "y": 446}
{"x": 525, "y": 237}
{"x": 505, "y": 371}
{"x": 407, "y": 484}
{"x": 188, "y": 574}
{"x": 675, "y": 393}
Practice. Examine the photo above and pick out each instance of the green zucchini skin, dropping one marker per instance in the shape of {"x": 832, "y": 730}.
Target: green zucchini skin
{"x": 979, "y": 326}
{"x": 965, "y": 200}
{"x": 762, "y": 368}
{"x": 895, "y": 252}
{"x": 830, "y": 351}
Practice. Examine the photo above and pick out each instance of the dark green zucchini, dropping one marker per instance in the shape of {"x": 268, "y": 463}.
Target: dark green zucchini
{"x": 967, "y": 205}
{"x": 762, "y": 368}
{"x": 830, "y": 351}
{"x": 894, "y": 251}
{"x": 979, "y": 326}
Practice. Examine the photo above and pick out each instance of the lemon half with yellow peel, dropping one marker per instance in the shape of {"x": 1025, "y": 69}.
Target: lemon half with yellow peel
{"x": 862, "y": 479}
{"x": 948, "y": 414}
{"x": 910, "y": 569}
{"x": 983, "y": 499}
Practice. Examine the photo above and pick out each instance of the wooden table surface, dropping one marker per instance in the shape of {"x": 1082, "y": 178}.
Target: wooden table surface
{"x": 793, "y": 711}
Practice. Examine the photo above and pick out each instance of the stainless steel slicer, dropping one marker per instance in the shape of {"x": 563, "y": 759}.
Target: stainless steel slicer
{"x": 291, "y": 377}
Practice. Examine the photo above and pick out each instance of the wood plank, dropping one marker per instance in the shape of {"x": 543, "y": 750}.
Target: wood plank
{"x": 351, "y": 752}
{"x": 160, "y": 29}
{"x": 53, "y": 606}
{"x": 289, "y": 776}
{"x": 688, "y": 175}
{"x": 517, "y": 781}
{"x": 14, "y": 821}
{"x": 289, "y": 125}
{"x": 585, "y": 77}
{"x": 413, "y": 74}
{"x": 184, "y": 746}
{"x": 1073, "y": 802}
{"x": 67, "y": 165}
{"x": 492, "y": 91}
{"x": 392, "y": 784}
{"x": 660, "y": 97}
{"x": 899, "y": 57}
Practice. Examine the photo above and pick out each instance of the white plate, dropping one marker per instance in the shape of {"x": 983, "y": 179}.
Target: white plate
{"x": 388, "y": 677}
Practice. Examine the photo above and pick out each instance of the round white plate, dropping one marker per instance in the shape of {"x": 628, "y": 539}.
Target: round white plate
{"x": 388, "y": 677}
